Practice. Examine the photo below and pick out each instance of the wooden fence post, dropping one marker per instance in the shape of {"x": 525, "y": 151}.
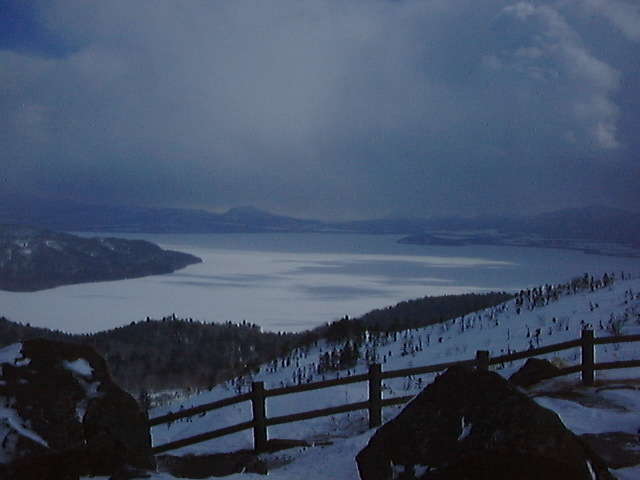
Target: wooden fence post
{"x": 482, "y": 360}
{"x": 259, "y": 416}
{"x": 375, "y": 395}
{"x": 588, "y": 357}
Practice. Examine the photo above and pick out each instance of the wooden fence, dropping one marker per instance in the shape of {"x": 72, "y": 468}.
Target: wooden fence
{"x": 375, "y": 402}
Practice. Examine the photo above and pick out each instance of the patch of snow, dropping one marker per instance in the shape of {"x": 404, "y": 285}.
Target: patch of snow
{"x": 591, "y": 419}
{"x": 81, "y": 371}
{"x": 81, "y": 410}
{"x": 465, "y": 430}
{"x": 629, "y": 473}
{"x": 79, "y": 366}
{"x": 591, "y": 472}
{"x": 11, "y": 353}
{"x": 91, "y": 391}
{"x": 23, "y": 362}
{"x": 335, "y": 462}
{"x": 10, "y": 420}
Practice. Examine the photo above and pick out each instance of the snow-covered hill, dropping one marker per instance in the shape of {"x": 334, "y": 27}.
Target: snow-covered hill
{"x": 550, "y": 314}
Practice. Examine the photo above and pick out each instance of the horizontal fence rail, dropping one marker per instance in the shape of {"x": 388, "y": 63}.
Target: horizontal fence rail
{"x": 203, "y": 437}
{"x": 619, "y": 364}
{"x": 324, "y": 412}
{"x": 206, "y": 407}
{"x": 618, "y": 339}
{"x": 405, "y": 372}
{"x": 535, "y": 351}
{"x": 317, "y": 385}
{"x": 374, "y": 377}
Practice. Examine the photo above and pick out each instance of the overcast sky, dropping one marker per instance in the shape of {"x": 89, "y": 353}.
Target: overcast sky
{"x": 323, "y": 108}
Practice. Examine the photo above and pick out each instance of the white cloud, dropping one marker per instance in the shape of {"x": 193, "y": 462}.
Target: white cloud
{"x": 623, "y": 14}
{"x": 558, "y": 51}
{"x": 522, "y": 10}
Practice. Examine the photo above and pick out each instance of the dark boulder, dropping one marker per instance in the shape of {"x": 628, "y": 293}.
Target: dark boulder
{"x": 475, "y": 425}
{"x": 64, "y": 414}
{"x": 533, "y": 371}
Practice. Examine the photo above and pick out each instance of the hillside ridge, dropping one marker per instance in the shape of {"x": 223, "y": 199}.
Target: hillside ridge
{"x": 594, "y": 223}
{"x": 156, "y": 354}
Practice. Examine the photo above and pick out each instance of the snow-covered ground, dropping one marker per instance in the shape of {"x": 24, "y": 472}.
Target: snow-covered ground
{"x": 610, "y": 309}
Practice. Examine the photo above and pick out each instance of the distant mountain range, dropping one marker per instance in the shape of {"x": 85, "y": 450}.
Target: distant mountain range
{"x": 35, "y": 259}
{"x": 73, "y": 216}
{"x": 595, "y": 223}
{"x": 593, "y": 229}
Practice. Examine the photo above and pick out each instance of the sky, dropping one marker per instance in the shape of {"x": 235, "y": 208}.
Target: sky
{"x": 323, "y": 108}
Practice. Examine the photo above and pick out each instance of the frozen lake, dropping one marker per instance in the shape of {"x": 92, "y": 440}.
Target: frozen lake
{"x": 297, "y": 281}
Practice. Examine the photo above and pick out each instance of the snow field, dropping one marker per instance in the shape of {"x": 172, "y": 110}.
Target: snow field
{"x": 512, "y": 326}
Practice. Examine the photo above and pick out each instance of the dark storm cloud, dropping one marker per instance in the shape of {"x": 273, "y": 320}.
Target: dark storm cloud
{"x": 328, "y": 108}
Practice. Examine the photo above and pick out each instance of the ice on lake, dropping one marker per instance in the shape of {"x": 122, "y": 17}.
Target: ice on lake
{"x": 292, "y": 282}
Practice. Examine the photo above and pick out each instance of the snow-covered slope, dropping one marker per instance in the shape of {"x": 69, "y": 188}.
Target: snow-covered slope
{"x": 538, "y": 317}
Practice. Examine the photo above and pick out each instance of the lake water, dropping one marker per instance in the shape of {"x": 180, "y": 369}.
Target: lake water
{"x": 292, "y": 282}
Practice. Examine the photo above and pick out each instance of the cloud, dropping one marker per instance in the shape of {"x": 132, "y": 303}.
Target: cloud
{"x": 320, "y": 108}
{"x": 558, "y": 53}
{"x": 622, "y": 14}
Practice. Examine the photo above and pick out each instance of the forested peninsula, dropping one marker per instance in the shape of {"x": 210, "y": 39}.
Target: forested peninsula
{"x": 36, "y": 259}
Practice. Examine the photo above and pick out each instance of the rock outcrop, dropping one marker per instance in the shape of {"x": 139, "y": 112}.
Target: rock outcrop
{"x": 61, "y": 414}
{"x": 533, "y": 371}
{"x": 475, "y": 425}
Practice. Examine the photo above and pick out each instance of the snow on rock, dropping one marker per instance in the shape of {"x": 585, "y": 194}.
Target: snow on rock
{"x": 465, "y": 430}
{"x": 12, "y": 354}
{"x": 80, "y": 367}
{"x": 12, "y": 426}
{"x": 82, "y": 370}
{"x": 64, "y": 403}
